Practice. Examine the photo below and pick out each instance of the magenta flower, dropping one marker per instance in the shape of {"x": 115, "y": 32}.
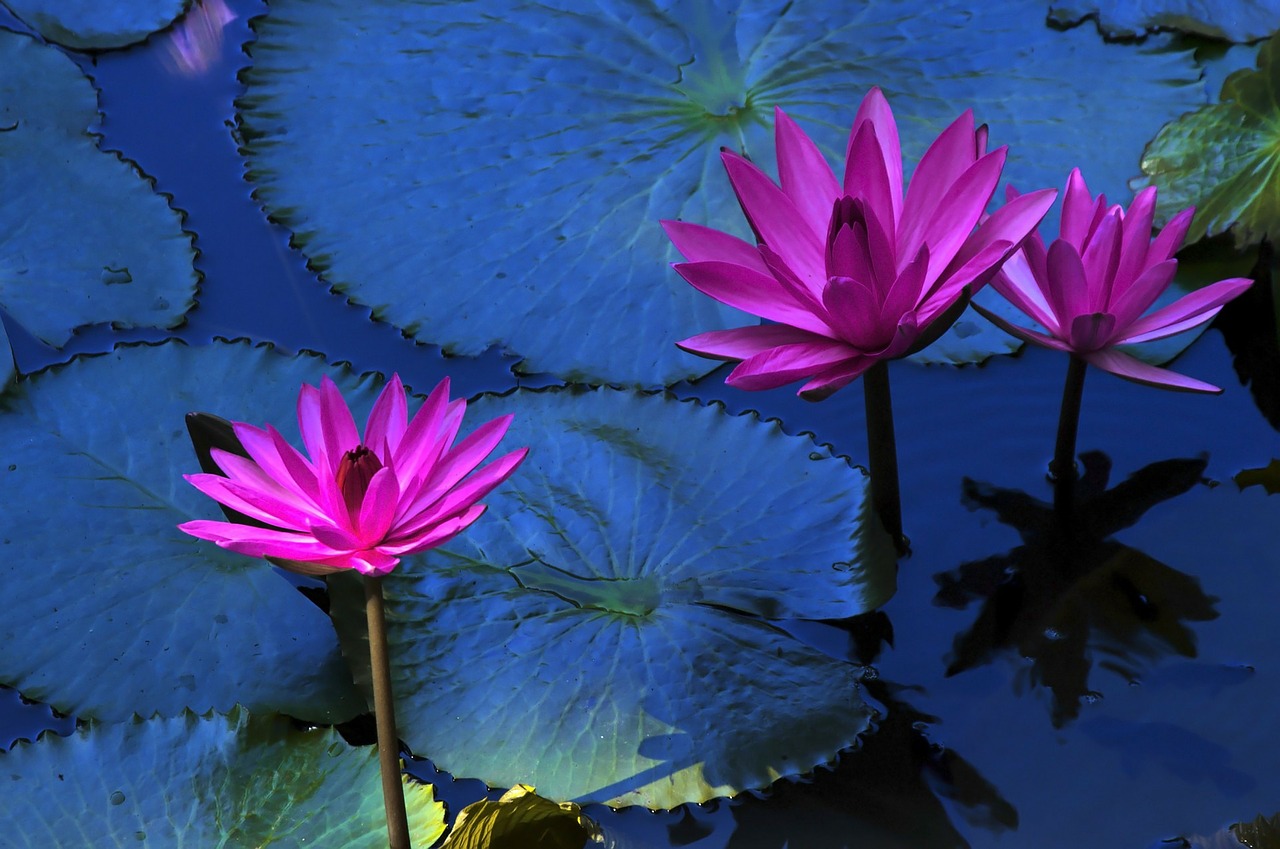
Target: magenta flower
{"x": 356, "y": 504}
{"x": 853, "y": 273}
{"x": 1089, "y": 290}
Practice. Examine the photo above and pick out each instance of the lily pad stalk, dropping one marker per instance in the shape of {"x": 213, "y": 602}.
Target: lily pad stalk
{"x": 856, "y": 273}
{"x": 357, "y": 504}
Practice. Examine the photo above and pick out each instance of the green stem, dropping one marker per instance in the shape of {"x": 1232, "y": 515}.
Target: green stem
{"x": 385, "y": 715}
{"x": 1062, "y": 470}
{"x": 883, "y": 451}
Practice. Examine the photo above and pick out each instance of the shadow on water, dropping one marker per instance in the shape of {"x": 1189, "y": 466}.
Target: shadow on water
{"x": 1070, "y": 593}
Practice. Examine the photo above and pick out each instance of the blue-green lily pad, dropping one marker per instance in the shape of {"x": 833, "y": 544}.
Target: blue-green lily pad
{"x": 95, "y": 25}
{"x": 1224, "y": 159}
{"x": 111, "y": 609}
{"x": 203, "y": 781}
{"x": 493, "y": 173}
{"x": 87, "y": 240}
{"x": 1230, "y": 20}
{"x": 602, "y": 633}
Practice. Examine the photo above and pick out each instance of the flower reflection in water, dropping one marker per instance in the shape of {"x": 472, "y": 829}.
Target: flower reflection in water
{"x": 194, "y": 45}
{"x": 1070, "y": 592}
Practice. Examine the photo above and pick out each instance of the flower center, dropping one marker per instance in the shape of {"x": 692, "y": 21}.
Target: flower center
{"x": 356, "y": 469}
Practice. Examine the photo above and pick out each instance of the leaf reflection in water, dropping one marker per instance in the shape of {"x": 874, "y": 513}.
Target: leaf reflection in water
{"x": 1071, "y": 595}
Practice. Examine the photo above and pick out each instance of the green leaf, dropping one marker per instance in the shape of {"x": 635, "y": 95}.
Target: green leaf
{"x": 94, "y": 25}
{"x": 604, "y": 623}
{"x": 1224, "y": 159}
{"x": 87, "y": 239}
{"x": 501, "y": 183}
{"x": 113, "y": 610}
{"x": 203, "y": 781}
{"x": 519, "y": 820}
{"x": 1230, "y": 20}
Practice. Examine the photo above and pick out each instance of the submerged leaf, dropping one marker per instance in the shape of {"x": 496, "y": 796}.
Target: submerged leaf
{"x": 91, "y": 457}
{"x": 430, "y": 169}
{"x": 87, "y": 240}
{"x": 605, "y": 624}
{"x": 1224, "y": 159}
{"x": 519, "y": 820}
{"x": 1231, "y": 20}
{"x": 203, "y": 781}
{"x": 94, "y": 25}
{"x": 1262, "y": 833}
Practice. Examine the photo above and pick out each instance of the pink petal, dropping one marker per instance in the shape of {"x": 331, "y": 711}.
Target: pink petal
{"x": 743, "y": 342}
{"x": 701, "y": 244}
{"x": 836, "y": 377}
{"x": 337, "y": 425}
{"x": 459, "y": 462}
{"x": 373, "y": 562}
{"x": 260, "y": 542}
{"x": 1123, "y": 365}
{"x": 1024, "y": 333}
{"x": 438, "y": 535}
{"x": 1019, "y": 287}
{"x": 1137, "y": 235}
{"x": 1126, "y": 306}
{"x": 280, "y": 460}
{"x": 971, "y": 277}
{"x": 880, "y": 249}
{"x": 1077, "y": 211}
{"x": 461, "y": 497}
{"x": 336, "y": 538}
{"x": 775, "y": 218}
{"x": 779, "y": 366}
{"x": 1101, "y": 258}
{"x": 1091, "y": 332}
{"x": 388, "y": 419}
{"x": 959, "y": 210}
{"x": 866, "y": 178}
{"x": 804, "y": 173}
{"x": 420, "y": 437}
{"x": 904, "y": 295}
{"x": 947, "y": 158}
{"x": 749, "y": 291}
{"x": 855, "y": 311}
{"x": 1169, "y": 239}
{"x": 874, "y": 110}
{"x": 378, "y": 510}
{"x": 1068, "y": 288}
{"x": 1186, "y": 312}
{"x": 273, "y": 508}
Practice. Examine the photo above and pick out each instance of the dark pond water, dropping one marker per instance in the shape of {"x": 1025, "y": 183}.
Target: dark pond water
{"x": 1116, "y": 689}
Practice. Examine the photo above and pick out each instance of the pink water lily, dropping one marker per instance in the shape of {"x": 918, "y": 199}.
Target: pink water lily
{"x": 852, "y": 272}
{"x": 1091, "y": 288}
{"x": 357, "y": 503}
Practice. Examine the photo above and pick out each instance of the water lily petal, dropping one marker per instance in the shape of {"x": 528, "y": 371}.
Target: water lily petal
{"x": 460, "y": 461}
{"x": 874, "y": 110}
{"x": 1188, "y": 311}
{"x": 836, "y": 377}
{"x": 1067, "y": 287}
{"x": 1137, "y": 235}
{"x": 866, "y": 178}
{"x": 749, "y": 291}
{"x": 259, "y": 542}
{"x": 947, "y": 158}
{"x": 774, "y": 218}
{"x": 1142, "y": 293}
{"x": 278, "y": 459}
{"x": 804, "y": 173}
{"x": 421, "y": 434}
{"x": 697, "y": 243}
{"x": 904, "y": 295}
{"x": 1123, "y": 365}
{"x": 1101, "y": 258}
{"x": 959, "y": 210}
{"x": 788, "y": 363}
{"x": 454, "y": 501}
{"x": 378, "y": 509}
{"x": 971, "y": 277}
{"x": 743, "y": 342}
{"x": 855, "y": 314}
{"x": 1077, "y": 211}
{"x": 272, "y": 505}
{"x": 446, "y": 530}
{"x": 339, "y": 427}
{"x": 387, "y": 420}
{"x": 1169, "y": 239}
{"x": 1091, "y": 332}
{"x": 1021, "y": 287}
{"x": 1025, "y": 333}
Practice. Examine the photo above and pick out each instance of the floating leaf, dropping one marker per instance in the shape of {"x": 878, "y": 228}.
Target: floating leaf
{"x": 431, "y": 170}
{"x": 87, "y": 240}
{"x": 604, "y": 623}
{"x": 1267, "y": 477}
{"x": 113, "y": 610}
{"x": 1224, "y": 159}
{"x": 203, "y": 781}
{"x": 519, "y": 820}
{"x": 1231, "y": 20}
{"x": 94, "y": 25}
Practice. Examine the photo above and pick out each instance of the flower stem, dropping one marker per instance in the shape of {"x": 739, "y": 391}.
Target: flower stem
{"x": 1062, "y": 471}
{"x": 883, "y": 451}
{"x": 385, "y": 715}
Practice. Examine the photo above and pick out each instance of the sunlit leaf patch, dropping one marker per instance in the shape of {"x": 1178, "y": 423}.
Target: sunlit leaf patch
{"x": 95, "y": 25}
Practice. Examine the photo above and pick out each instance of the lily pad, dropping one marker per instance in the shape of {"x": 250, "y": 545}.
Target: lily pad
{"x": 1224, "y": 159}
{"x": 605, "y": 625}
{"x": 1230, "y": 20}
{"x": 87, "y": 239}
{"x": 501, "y": 182}
{"x": 94, "y": 25}
{"x": 112, "y": 610}
{"x": 203, "y": 781}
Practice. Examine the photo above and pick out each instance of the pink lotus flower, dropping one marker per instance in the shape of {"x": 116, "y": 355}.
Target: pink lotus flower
{"x": 1089, "y": 290}
{"x": 356, "y": 504}
{"x": 852, "y": 273}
